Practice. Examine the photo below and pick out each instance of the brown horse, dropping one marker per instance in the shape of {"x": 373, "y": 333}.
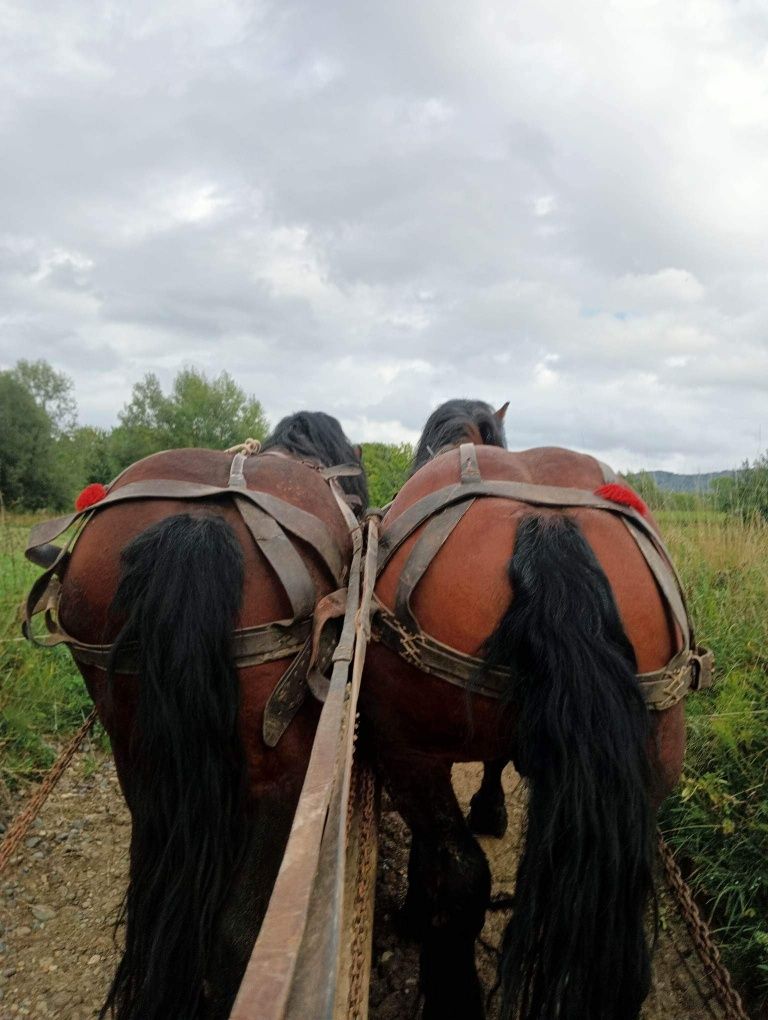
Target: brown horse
{"x": 513, "y": 619}
{"x": 183, "y": 615}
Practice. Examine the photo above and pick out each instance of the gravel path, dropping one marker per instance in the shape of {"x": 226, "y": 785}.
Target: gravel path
{"x": 59, "y": 896}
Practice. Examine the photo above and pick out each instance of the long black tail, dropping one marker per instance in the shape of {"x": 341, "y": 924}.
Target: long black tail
{"x": 180, "y": 590}
{"x": 576, "y": 947}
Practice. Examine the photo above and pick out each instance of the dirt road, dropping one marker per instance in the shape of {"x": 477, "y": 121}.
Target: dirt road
{"x": 59, "y": 897}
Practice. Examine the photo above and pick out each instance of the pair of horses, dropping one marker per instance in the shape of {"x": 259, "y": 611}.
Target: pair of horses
{"x": 192, "y": 588}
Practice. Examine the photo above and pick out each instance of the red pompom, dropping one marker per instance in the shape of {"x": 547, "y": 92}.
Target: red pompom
{"x": 91, "y": 494}
{"x": 621, "y": 494}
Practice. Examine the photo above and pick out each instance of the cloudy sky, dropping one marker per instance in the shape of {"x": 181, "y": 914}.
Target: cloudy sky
{"x": 368, "y": 207}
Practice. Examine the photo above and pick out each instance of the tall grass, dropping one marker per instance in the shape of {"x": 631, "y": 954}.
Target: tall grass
{"x": 42, "y": 696}
{"x": 717, "y": 820}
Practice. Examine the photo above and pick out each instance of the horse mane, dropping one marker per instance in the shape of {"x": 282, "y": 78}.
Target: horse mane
{"x": 449, "y": 424}
{"x": 315, "y": 435}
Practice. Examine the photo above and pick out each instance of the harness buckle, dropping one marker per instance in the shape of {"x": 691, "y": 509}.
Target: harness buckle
{"x": 702, "y": 669}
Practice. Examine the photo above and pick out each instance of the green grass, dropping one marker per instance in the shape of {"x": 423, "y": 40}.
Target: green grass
{"x": 717, "y": 821}
{"x": 42, "y": 696}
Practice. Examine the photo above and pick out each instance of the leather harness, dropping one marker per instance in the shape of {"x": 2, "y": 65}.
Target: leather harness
{"x": 440, "y": 511}
{"x": 305, "y": 635}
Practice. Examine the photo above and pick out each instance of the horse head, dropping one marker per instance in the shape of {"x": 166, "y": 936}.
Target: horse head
{"x": 460, "y": 421}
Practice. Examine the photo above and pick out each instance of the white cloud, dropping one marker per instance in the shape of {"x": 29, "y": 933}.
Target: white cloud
{"x": 369, "y": 208}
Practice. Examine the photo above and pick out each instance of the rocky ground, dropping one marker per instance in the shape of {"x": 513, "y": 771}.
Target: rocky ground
{"x": 59, "y": 897}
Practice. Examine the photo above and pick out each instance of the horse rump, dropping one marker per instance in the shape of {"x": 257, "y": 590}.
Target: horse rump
{"x": 575, "y": 947}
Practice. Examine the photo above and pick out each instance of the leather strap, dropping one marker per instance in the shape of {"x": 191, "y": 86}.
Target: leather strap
{"x": 429, "y": 544}
{"x": 236, "y": 471}
{"x": 282, "y": 556}
{"x": 661, "y": 689}
{"x": 661, "y": 566}
{"x": 432, "y": 656}
{"x": 251, "y": 646}
{"x": 291, "y": 690}
{"x": 522, "y": 492}
{"x": 298, "y": 522}
{"x": 468, "y": 467}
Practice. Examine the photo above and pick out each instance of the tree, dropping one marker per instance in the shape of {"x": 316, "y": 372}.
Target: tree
{"x": 199, "y": 411}
{"x": 52, "y": 391}
{"x": 746, "y": 493}
{"x": 386, "y": 467}
{"x": 214, "y": 414}
{"x": 29, "y": 474}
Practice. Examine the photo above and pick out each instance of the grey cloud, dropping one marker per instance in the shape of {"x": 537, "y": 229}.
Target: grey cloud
{"x": 370, "y": 208}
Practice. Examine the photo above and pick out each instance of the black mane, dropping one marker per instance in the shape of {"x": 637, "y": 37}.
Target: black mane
{"x": 448, "y": 424}
{"x": 313, "y": 435}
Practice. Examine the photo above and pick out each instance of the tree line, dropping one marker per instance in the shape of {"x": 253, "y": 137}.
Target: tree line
{"x": 743, "y": 494}
{"x": 47, "y": 457}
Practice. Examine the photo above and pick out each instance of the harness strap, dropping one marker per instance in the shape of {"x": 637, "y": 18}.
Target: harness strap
{"x": 298, "y": 522}
{"x": 522, "y": 492}
{"x": 236, "y": 472}
{"x": 661, "y": 565}
{"x": 251, "y": 646}
{"x": 291, "y": 689}
{"x": 281, "y": 554}
{"x": 469, "y": 468}
{"x": 661, "y": 689}
{"x": 432, "y": 656}
{"x": 429, "y": 544}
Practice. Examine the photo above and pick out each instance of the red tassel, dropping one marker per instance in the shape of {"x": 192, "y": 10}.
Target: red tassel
{"x": 622, "y": 494}
{"x": 91, "y": 494}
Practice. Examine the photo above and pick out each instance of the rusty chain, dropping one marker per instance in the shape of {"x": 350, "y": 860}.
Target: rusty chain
{"x": 708, "y": 952}
{"x": 24, "y": 819}
{"x": 362, "y": 916}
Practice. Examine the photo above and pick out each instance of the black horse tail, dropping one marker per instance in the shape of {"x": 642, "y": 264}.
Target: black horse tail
{"x": 575, "y": 948}
{"x": 180, "y": 590}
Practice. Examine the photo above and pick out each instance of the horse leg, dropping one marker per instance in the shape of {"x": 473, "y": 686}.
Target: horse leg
{"x": 453, "y": 884}
{"x": 488, "y": 809}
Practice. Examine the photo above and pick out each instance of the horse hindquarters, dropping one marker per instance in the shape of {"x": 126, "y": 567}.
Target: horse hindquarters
{"x": 575, "y": 947}
{"x": 180, "y": 592}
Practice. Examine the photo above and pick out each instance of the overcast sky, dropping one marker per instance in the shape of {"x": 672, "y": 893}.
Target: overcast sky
{"x": 370, "y": 207}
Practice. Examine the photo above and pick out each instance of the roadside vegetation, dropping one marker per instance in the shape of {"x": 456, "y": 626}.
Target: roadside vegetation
{"x": 717, "y": 820}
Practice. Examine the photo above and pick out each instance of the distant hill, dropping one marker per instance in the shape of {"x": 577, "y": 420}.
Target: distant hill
{"x": 668, "y": 481}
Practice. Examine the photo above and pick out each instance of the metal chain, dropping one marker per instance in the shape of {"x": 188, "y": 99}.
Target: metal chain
{"x": 24, "y": 819}
{"x": 362, "y": 917}
{"x": 708, "y": 952}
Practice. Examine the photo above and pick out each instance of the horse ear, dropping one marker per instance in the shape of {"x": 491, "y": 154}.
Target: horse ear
{"x": 499, "y": 415}
{"x": 358, "y": 452}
